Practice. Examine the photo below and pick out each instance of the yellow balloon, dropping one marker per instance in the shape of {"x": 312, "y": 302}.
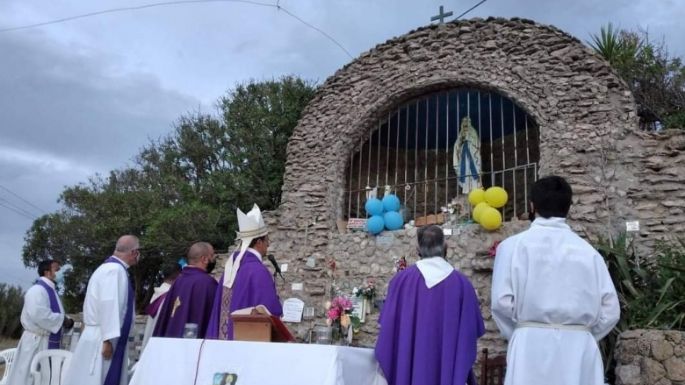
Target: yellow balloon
{"x": 478, "y": 210}
{"x": 490, "y": 219}
{"x": 496, "y": 197}
{"x": 476, "y": 196}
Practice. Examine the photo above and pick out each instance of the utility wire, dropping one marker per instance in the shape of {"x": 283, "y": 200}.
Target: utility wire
{"x": 175, "y": 2}
{"x": 18, "y": 208}
{"x": 22, "y": 199}
{"x": 17, "y": 211}
{"x": 125, "y": 9}
{"x": 329, "y": 37}
{"x": 458, "y": 17}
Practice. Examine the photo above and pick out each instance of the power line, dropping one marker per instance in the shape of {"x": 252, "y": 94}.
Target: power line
{"x": 175, "y": 2}
{"x": 125, "y": 9}
{"x": 17, "y": 208}
{"x": 17, "y": 211}
{"x": 329, "y": 37}
{"x": 22, "y": 199}
{"x": 458, "y": 17}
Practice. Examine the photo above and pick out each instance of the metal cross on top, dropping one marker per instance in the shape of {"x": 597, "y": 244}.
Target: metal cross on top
{"x": 441, "y": 16}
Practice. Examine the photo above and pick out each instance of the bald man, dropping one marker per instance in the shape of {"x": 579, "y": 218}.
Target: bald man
{"x": 101, "y": 356}
{"x": 191, "y": 296}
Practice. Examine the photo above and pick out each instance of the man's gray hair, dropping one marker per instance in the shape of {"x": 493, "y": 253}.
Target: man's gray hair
{"x": 431, "y": 241}
{"x": 126, "y": 243}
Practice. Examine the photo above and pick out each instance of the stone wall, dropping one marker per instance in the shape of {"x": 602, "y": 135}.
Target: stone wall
{"x": 359, "y": 257}
{"x": 650, "y": 357}
{"x": 656, "y": 179}
{"x": 588, "y": 134}
{"x": 583, "y": 111}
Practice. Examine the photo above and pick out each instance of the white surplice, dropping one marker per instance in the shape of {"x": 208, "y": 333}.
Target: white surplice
{"x": 553, "y": 299}
{"x": 103, "y": 315}
{"x": 38, "y": 321}
{"x": 152, "y": 321}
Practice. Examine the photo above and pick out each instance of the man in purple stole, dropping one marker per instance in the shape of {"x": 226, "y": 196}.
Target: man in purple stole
{"x": 430, "y": 322}
{"x": 43, "y": 320}
{"x": 191, "y": 296}
{"x": 101, "y": 356}
{"x": 169, "y": 273}
{"x": 246, "y": 281}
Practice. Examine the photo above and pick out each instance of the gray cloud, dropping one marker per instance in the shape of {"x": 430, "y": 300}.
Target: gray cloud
{"x": 82, "y": 97}
{"x": 67, "y": 115}
{"x": 69, "y": 104}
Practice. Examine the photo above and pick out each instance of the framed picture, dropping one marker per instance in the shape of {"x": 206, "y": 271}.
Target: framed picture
{"x": 358, "y": 308}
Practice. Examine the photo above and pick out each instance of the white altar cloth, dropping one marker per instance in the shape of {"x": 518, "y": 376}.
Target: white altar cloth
{"x": 195, "y": 362}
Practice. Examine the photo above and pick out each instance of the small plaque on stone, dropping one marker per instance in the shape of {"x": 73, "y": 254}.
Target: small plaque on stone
{"x": 311, "y": 262}
{"x": 632, "y": 226}
{"x": 385, "y": 241}
{"x": 358, "y": 308}
{"x": 292, "y": 310}
{"x": 299, "y": 286}
{"x": 284, "y": 268}
{"x": 356, "y": 223}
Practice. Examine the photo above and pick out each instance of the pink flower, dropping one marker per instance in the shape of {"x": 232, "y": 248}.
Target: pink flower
{"x": 338, "y": 307}
{"x": 333, "y": 313}
{"x": 342, "y": 303}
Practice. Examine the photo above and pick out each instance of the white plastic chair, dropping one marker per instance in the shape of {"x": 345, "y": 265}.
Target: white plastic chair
{"x": 7, "y": 357}
{"x": 50, "y": 366}
{"x": 131, "y": 370}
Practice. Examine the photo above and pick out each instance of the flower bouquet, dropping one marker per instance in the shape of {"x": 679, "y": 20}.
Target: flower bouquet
{"x": 338, "y": 316}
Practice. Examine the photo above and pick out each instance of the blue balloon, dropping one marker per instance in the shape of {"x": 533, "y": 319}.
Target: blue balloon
{"x": 391, "y": 202}
{"x": 374, "y": 206}
{"x": 375, "y": 224}
{"x": 393, "y": 220}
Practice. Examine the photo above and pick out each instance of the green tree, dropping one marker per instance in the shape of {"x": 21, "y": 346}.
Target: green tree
{"x": 260, "y": 118}
{"x": 11, "y": 302}
{"x": 182, "y": 188}
{"x": 656, "y": 79}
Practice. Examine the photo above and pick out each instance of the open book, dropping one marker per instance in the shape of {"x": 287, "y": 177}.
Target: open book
{"x": 279, "y": 332}
{"x": 252, "y": 310}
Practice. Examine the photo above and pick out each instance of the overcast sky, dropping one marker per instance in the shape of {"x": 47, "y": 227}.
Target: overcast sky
{"x": 81, "y": 97}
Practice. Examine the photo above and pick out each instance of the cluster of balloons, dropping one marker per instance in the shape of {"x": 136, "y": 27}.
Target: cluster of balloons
{"x": 485, "y": 204}
{"x": 384, "y": 214}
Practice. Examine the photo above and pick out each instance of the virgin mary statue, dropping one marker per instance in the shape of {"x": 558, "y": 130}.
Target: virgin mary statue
{"x": 466, "y": 159}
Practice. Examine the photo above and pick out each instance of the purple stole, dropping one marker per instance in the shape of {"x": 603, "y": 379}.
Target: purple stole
{"x": 55, "y": 338}
{"x": 153, "y": 308}
{"x": 114, "y": 373}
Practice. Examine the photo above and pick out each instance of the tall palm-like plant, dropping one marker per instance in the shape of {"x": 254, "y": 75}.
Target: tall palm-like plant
{"x": 656, "y": 79}
{"x": 619, "y": 48}
{"x": 651, "y": 290}
{"x": 607, "y": 43}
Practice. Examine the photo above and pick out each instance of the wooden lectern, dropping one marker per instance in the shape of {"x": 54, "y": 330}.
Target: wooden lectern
{"x": 260, "y": 327}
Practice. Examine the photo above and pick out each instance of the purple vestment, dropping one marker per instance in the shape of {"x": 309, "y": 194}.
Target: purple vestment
{"x": 253, "y": 286}
{"x": 55, "y": 339}
{"x": 153, "y": 308}
{"x": 189, "y": 300}
{"x": 428, "y": 336}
